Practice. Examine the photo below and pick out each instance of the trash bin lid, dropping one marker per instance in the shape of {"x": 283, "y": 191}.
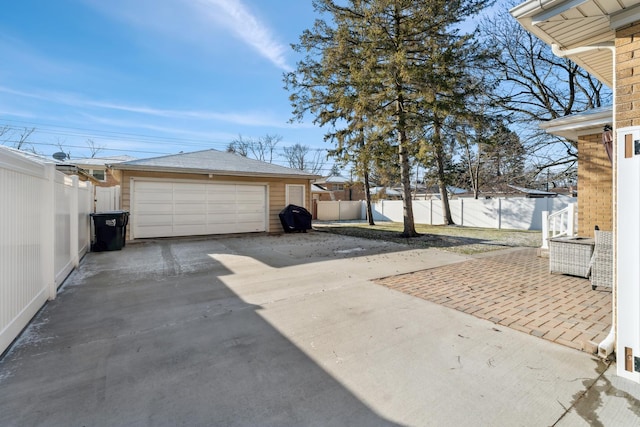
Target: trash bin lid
{"x": 110, "y": 213}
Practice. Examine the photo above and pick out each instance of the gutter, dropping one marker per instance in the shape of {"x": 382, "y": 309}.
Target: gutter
{"x": 607, "y": 346}
{"x": 533, "y": 6}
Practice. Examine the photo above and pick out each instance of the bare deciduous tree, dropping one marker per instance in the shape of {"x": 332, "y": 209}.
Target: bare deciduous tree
{"x": 21, "y": 142}
{"x": 304, "y": 158}
{"x": 534, "y": 85}
{"x": 94, "y": 148}
{"x": 257, "y": 148}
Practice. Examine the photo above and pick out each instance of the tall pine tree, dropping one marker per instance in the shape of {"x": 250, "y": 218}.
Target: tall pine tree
{"x": 380, "y": 67}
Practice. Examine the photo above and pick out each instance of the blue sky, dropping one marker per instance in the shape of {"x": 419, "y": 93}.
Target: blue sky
{"x": 150, "y": 76}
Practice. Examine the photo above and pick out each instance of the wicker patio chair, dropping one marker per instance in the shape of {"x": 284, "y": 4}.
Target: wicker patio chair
{"x": 602, "y": 260}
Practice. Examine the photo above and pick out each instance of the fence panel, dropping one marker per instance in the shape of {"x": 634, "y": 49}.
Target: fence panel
{"x": 62, "y": 255}
{"x": 516, "y": 213}
{"x": 328, "y": 211}
{"x": 22, "y": 288}
{"x": 339, "y": 210}
{"x": 481, "y": 213}
{"x": 43, "y": 232}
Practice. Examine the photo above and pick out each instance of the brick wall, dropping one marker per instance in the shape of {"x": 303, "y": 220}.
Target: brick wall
{"x": 595, "y": 186}
{"x": 628, "y": 76}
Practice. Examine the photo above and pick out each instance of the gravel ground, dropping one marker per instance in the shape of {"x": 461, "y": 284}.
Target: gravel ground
{"x": 463, "y": 240}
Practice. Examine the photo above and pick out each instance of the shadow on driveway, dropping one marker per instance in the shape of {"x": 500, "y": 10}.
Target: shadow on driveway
{"x": 151, "y": 335}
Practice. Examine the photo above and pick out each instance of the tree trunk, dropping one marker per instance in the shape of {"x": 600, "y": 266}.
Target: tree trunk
{"x": 405, "y": 178}
{"x": 439, "y": 154}
{"x": 403, "y": 155}
{"x": 367, "y": 193}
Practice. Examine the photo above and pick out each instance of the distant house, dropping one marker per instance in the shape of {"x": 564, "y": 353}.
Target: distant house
{"x": 387, "y": 193}
{"x": 208, "y": 192}
{"x": 340, "y": 188}
{"x": 97, "y": 168}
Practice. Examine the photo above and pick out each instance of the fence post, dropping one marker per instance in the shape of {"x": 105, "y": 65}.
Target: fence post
{"x": 462, "y": 212}
{"x": 571, "y": 220}
{"x": 339, "y": 211}
{"x": 73, "y": 220}
{"x": 499, "y": 214}
{"x": 90, "y": 208}
{"x": 48, "y": 230}
{"x": 545, "y": 229}
{"x": 116, "y": 197}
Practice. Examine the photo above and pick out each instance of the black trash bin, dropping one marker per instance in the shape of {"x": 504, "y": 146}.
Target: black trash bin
{"x": 295, "y": 219}
{"x": 110, "y": 230}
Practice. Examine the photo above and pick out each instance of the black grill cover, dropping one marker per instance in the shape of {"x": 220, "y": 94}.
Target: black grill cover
{"x": 295, "y": 219}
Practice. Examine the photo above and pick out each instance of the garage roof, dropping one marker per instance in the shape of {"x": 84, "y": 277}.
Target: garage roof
{"x": 211, "y": 162}
{"x": 583, "y": 30}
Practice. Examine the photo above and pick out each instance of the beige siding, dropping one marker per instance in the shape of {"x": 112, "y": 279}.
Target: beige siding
{"x": 276, "y": 189}
{"x": 595, "y": 186}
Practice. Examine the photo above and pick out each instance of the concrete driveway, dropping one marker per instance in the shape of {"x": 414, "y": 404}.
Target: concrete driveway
{"x": 284, "y": 331}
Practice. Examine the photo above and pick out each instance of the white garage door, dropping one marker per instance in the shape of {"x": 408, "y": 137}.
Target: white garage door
{"x": 167, "y": 209}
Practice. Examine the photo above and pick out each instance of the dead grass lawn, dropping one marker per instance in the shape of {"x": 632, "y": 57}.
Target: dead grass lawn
{"x": 464, "y": 240}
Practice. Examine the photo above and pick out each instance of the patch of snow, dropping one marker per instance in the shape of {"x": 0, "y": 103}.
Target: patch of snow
{"x": 348, "y": 251}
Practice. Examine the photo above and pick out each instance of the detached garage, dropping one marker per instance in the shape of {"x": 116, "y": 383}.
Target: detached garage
{"x": 208, "y": 192}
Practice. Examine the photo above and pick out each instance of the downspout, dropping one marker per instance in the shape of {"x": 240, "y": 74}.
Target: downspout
{"x": 607, "y": 346}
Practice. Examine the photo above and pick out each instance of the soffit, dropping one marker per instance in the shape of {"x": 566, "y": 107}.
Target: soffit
{"x": 575, "y": 24}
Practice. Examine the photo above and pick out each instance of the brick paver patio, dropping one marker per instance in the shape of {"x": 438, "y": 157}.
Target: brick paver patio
{"x": 515, "y": 289}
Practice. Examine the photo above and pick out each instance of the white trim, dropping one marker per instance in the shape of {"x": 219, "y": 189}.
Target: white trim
{"x": 267, "y": 208}
{"x": 132, "y": 216}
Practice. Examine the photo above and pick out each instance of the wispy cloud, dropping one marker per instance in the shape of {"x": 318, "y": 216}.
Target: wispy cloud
{"x": 178, "y": 132}
{"x": 251, "y": 118}
{"x": 247, "y": 27}
{"x": 199, "y": 22}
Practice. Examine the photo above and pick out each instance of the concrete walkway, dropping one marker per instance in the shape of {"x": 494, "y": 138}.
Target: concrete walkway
{"x": 514, "y": 288}
{"x": 286, "y": 331}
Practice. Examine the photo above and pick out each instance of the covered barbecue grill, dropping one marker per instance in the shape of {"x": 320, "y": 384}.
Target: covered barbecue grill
{"x": 295, "y": 219}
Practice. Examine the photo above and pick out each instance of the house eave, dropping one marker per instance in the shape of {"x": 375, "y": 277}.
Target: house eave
{"x": 563, "y": 22}
{"x": 586, "y": 123}
{"x": 532, "y": 7}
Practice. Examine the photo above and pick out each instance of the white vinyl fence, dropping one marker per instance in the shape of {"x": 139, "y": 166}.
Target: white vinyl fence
{"x": 339, "y": 210}
{"x": 107, "y": 198}
{"x": 44, "y": 230}
{"x": 518, "y": 213}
